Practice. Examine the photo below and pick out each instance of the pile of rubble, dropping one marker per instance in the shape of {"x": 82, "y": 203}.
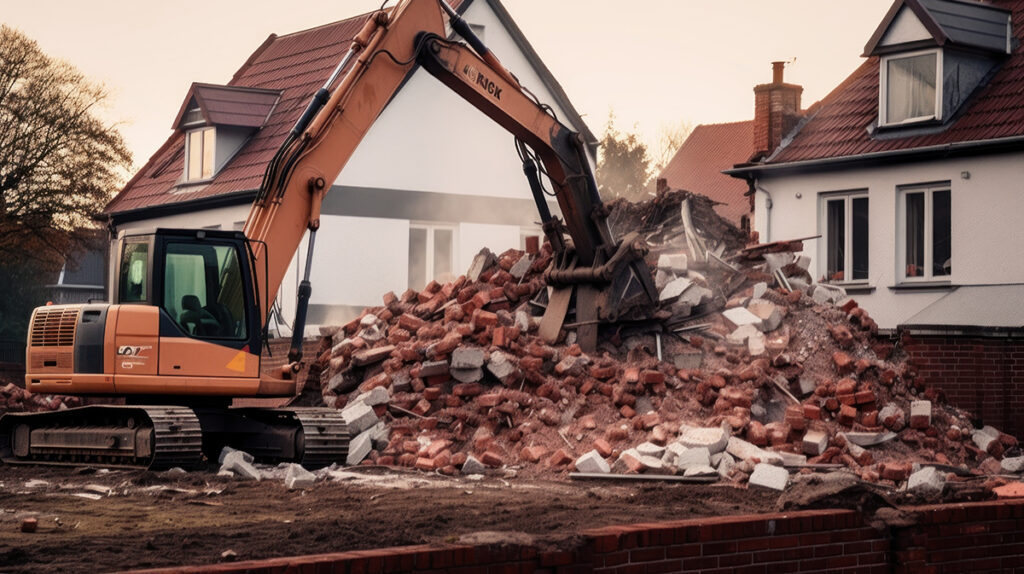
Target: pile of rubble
{"x": 752, "y": 371}
{"x": 16, "y": 399}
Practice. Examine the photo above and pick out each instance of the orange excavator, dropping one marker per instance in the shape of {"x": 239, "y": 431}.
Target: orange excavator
{"x": 179, "y": 371}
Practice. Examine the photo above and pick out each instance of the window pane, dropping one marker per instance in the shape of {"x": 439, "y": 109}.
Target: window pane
{"x": 860, "y": 237}
{"x": 134, "y": 272}
{"x": 417, "y": 258}
{"x": 443, "y": 255}
{"x": 195, "y": 155}
{"x": 836, "y": 236}
{"x": 209, "y": 146}
{"x": 203, "y": 290}
{"x": 941, "y": 233}
{"x": 911, "y": 88}
{"x": 915, "y": 234}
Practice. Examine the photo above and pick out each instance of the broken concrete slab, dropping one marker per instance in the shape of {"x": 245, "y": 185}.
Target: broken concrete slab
{"x": 522, "y": 266}
{"x": 235, "y": 461}
{"x": 739, "y": 316}
{"x": 867, "y": 439}
{"x": 674, "y": 289}
{"x": 984, "y": 441}
{"x": 744, "y": 450}
{"x": 359, "y": 417}
{"x": 650, "y": 449}
{"x": 673, "y": 262}
{"x": 228, "y": 450}
{"x": 592, "y": 462}
{"x": 700, "y": 470}
{"x": 1012, "y": 465}
{"x": 467, "y": 375}
{"x": 740, "y": 335}
{"x": 769, "y": 476}
{"x": 376, "y": 396}
{"x": 698, "y": 456}
{"x": 473, "y": 466}
{"x": 927, "y": 481}
{"x": 759, "y": 290}
{"x": 359, "y": 447}
{"x": 501, "y": 366}
{"x": 481, "y": 262}
{"x": 298, "y": 477}
{"x": 433, "y": 368}
{"x": 792, "y": 459}
{"x": 663, "y": 278}
{"x": 467, "y": 358}
{"x": 769, "y": 313}
{"x": 713, "y": 438}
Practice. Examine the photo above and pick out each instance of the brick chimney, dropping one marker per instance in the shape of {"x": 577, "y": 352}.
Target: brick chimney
{"x": 776, "y": 111}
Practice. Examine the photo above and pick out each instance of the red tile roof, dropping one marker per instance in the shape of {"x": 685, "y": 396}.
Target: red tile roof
{"x": 698, "y": 165}
{"x": 229, "y": 105}
{"x": 296, "y": 65}
{"x": 838, "y": 125}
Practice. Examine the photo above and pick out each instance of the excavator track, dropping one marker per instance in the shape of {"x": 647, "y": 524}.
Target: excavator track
{"x": 325, "y": 436}
{"x": 153, "y": 437}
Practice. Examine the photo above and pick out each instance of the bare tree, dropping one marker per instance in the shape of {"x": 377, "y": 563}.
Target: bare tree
{"x": 59, "y": 163}
{"x": 670, "y": 138}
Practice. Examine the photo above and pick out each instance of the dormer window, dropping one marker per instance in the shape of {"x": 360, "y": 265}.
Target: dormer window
{"x": 200, "y": 154}
{"x": 909, "y": 90}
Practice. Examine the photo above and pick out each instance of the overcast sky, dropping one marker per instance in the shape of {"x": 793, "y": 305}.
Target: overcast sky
{"x": 654, "y": 62}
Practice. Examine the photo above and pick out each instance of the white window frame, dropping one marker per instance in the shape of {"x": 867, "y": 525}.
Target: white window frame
{"x": 188, "y": 153}
{"x": 929, "y": 237}
{"x": 883, "y": 87}
{"x": 847, "y": 197}
{"x": 431, "y": 229}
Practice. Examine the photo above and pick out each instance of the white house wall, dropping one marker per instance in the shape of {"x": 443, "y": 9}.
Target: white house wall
{"x": 987, "y": 197}
{"x": 430, "y": 139}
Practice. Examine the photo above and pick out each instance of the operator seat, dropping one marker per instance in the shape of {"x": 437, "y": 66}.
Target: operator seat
{"x": 195, "y": 319}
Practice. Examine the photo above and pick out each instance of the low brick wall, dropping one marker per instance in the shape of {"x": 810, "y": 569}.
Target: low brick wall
{"x": 976, "y": 537}
{"x": 982, "y": 375}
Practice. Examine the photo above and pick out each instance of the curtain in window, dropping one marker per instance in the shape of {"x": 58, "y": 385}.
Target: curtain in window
{"x": 915, "y": 234}
{"x": 911, "y": 88}
{"x": 836, "y": 237}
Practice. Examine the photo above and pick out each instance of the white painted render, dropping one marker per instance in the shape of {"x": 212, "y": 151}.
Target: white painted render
{"x": 430, "y": 139}
{"x": 906, "y": 27}
{"x": 987, "y": 196}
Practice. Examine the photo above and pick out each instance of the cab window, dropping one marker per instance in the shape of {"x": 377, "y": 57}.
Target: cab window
{"x": 203, "y": 290}
{"x": 134, "y": 273}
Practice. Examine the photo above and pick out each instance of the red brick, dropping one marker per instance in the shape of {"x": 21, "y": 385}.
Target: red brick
{"x": 559, "y": 458}
{"x": 651, "y": 377}
{"x": 533, "y": 453}
{"x": 602, "y": 447}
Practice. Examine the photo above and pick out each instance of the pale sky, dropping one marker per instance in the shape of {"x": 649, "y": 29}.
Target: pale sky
{"x": 654, "y": 62}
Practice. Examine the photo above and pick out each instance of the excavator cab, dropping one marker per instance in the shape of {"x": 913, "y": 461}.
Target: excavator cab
{"x": 202, "y": 281}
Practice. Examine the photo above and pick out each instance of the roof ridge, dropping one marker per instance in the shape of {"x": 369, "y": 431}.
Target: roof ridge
{"x": 716, "y": 124}
{"x": 363, "y": 16}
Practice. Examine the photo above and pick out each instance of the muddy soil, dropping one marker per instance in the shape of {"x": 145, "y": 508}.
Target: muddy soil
{"x": 152, "y": 519}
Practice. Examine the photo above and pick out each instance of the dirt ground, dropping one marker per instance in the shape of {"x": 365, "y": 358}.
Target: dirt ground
{"x": 153, "y": 519}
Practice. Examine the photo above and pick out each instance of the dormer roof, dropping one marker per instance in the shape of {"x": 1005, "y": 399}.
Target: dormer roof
{"x": 912, "y": 24}
{"x": 227, "y": 105}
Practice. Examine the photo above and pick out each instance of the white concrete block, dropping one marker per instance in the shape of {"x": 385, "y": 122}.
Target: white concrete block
{"x": 742, "y": 334}
{"x": 739, "y": 316}
{"x": 697, "y": 456}
{"x": 650, "y": 449}
{"x": 760, "y": 289}
{"x": 712, "y": 438}
{"x": 359, "y": 447}
{"x": 769, "y": 476}
{"x": 467, "y": 358}
{"x": 1012, "y": 465}
{"x": 673, "y": 262}
{"x": 675, "y": 288}
{"x": 815, "y": 442}
{"x": 377, "y": 396}
{"x": 983, "y": 440}
{"x": 593, "y": 462}
{"x": 744, "y": 450}
{"x": 235, "y": 461}
{"x": 768, "y": 312}
{"x": 928, "y": 480}
{"x": 700, "y": 470}
{"x": 359, "y": 417}
{"x": 298, "y": 477}
{"x": 226, "y": 450}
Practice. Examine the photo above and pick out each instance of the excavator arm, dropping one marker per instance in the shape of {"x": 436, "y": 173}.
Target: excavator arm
{"x": 607, "y": 277}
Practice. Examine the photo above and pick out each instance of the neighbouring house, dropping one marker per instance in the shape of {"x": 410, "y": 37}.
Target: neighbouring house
{"x": 433, "y": 181}
{"x": 698, "y": 164}
{"x": 910, "y": 172}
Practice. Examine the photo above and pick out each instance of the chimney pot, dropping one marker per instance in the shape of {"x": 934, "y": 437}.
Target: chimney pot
{"x": 777, "y": 70}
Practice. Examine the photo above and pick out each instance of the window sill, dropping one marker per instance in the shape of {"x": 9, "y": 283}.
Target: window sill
{"x": 923, "y": 286}
{"x": 859, "y": 287}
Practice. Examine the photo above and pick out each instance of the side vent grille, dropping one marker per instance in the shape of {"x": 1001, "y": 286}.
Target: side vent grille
{"x": 54, "y": 328}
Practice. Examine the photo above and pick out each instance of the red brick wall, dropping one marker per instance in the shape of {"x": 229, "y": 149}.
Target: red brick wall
{"x": 977, "y": 537}
{"x": 982, "y": 375}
